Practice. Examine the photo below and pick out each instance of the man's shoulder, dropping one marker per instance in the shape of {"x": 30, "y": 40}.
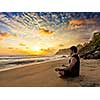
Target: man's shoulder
{"x": 74, "y": 55}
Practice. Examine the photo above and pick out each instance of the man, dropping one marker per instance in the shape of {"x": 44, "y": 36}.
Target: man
{"x": 73, "y": 69}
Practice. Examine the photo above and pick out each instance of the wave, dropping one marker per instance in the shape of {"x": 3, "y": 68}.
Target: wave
{"x": 14, "y": 60}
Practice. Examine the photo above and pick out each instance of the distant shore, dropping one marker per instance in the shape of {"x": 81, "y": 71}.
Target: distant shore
{"x": 43, "y": 74}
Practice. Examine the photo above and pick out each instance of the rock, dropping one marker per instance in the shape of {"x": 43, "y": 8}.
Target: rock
{"x": 63, "y": 51}
{"x": 91, "y": 50}
{"x": 90, "y": 56}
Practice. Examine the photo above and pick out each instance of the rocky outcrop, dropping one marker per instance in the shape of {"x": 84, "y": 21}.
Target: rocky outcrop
{"x": 89, "y": 50}
{"x": 66, "y": 51}
{"x": 63, "y": 51}
{"x": 92, "y": 49}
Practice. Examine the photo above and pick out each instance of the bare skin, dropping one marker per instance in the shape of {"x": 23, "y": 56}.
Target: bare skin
{"x": 64, "y": 67}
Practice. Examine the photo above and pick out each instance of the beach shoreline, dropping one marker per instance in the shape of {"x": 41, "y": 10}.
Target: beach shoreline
{"x": 42, "y": 74}
{"x": 9, "y": 76}
{"x": 29, "y": 64}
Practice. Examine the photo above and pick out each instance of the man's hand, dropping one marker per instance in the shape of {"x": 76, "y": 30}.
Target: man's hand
{"x": 63, "y": 65}
{"x": 60, "y": 69}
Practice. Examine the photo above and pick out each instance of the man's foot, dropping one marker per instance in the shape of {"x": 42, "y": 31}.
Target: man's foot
{"x": 56, "y": 69}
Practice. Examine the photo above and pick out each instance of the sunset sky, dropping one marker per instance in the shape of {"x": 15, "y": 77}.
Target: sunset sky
{"x": 45, "y": 32}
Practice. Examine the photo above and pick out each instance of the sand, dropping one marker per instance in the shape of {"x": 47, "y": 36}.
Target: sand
{"x": 42, "y": 74}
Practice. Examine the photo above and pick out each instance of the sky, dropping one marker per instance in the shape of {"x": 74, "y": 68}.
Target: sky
{"x": 45, "y": 33}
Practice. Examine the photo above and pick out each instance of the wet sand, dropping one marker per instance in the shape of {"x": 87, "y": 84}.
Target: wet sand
{"x": 42, "y": 74}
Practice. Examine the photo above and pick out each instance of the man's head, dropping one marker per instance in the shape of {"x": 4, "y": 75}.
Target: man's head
{"x": 73, "y": 49}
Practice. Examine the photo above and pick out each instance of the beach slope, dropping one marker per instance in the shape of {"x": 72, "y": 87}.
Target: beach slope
{"x": 42, "y": 74}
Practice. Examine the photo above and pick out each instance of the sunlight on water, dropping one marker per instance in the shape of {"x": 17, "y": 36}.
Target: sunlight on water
{"x": 13, "y": 60}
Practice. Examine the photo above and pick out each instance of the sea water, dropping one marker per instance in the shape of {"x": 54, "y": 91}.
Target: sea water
{"x": 13, "y": 60}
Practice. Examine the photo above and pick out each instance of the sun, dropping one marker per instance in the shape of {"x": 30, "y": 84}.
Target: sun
{"x": 36, "y": 48}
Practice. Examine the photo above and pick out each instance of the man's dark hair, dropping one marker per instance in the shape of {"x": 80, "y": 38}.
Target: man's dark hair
{"x": 74, "y": 49}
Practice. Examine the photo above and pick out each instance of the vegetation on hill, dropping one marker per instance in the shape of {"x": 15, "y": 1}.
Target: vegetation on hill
{"x": 92, "y": 49}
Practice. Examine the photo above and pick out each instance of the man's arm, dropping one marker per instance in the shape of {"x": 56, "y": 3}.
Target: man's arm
{"x": 72, "y": 63}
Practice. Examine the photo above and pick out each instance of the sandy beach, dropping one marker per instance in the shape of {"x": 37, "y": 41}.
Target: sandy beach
{"x": 42, "y": 74}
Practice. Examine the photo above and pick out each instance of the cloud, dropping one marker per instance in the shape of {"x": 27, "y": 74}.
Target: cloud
{"x": 22, "y": 44}
{"x": 83, "y": 23}
{"x": 26, "y": 23}
{"x": 6, "y": 35}
{"x": 45, "y": 31}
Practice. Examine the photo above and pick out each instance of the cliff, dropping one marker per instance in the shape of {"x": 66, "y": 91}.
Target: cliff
{"x": 92, "y": 49}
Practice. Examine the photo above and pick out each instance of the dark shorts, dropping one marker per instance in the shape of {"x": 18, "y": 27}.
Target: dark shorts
{"x": 69, "y": 73}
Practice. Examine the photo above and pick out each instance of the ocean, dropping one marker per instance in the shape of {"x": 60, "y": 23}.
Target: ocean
{"x": 7, "y": 61}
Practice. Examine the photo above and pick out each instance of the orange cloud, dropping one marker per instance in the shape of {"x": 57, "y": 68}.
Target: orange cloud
{"x": 80, "y": 23}
{"x": 6, "y": 35}
{"x": 45, "y": 31}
